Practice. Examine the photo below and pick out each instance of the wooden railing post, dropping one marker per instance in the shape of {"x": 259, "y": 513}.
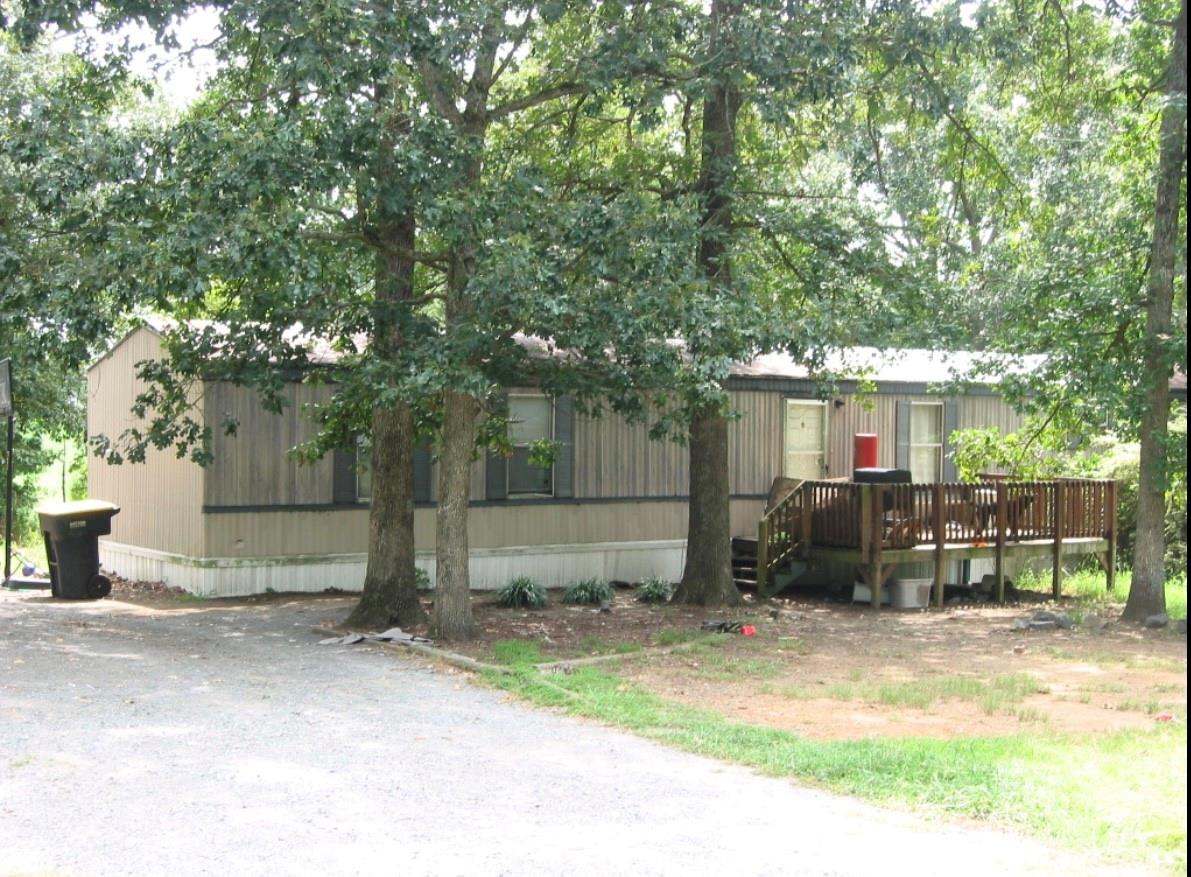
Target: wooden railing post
{"x": 1060, "y": 524}
{"x": 1110, "y": 513}
{"x": 871, "y": 537}
{"x": 939, "y": 526}
{"x": 762, "y": 557}
{"x": 808, "y": 519}
{"x": 1001, "y": 523}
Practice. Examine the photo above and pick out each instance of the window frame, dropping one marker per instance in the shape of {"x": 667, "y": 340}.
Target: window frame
{"x": 939, "y": 446}
{"x": 363, "y": 455}
{"x": 551, "y": 420}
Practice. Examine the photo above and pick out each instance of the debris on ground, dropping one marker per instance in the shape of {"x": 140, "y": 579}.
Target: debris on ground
{"x": 1044, "y": 620}
{"x": 392, "y": 635}
{"x": 719, "y": 626}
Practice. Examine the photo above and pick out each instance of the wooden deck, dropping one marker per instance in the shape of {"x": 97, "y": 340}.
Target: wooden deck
{"x": 877, "y": 526}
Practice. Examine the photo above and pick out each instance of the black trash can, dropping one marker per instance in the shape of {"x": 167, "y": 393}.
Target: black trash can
{"x": 72, "y": 531}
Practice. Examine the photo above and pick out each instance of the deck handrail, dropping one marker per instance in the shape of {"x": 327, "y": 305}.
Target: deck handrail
{"x": 832, "y": 514}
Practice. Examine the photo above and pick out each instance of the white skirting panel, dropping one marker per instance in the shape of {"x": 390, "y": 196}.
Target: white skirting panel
{"x": 491, "y": 568}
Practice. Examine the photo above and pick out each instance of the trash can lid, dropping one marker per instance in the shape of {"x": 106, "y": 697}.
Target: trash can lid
{"x": 78, "y": 507}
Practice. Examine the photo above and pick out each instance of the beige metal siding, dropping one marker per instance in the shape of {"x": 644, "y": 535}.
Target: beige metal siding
{"x": 755, "y": 442}
{"x": 615, "y": 458}
{"x": 878, "y": 414}
{"x": 161, "y": 499}
{"x": 267, "y": 534}
{"x": 977, "y": 411}
{"x": 345, "y": 531}
{"x": 253, "y": 465}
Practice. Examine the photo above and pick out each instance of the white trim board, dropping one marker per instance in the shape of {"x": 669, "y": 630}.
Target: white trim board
{"x": 490, "y": 568}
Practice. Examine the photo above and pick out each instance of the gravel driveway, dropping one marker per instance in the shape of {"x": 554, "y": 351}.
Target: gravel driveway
{"x": 223, "y": 740}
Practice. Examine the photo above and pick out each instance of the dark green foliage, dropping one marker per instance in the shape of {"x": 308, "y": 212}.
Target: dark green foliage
{"x": 589, "y": 591}
{"x": 654, "y": 590}
{"x": 1123, "y": 468}
{"x": 522, "y": 592}
{"x": 422, "y": 579}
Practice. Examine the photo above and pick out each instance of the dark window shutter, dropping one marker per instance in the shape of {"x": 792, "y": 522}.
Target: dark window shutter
{"x": 496, "y": 477}
{"x": 950, "y": 425}
{"x": 564, "y": 434}
{"x": 421, "y": 475}
{"x": 902, "y": 442}
{"x": 343, "y": 479}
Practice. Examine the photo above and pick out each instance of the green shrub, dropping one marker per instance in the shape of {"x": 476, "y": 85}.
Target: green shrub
{"x": 588, "y": 591}
{"x": 522, "y": 591}
{"x": 1121, "y": 465}
{"x": 421, "y": 579}
{"x": 654, "y": 590}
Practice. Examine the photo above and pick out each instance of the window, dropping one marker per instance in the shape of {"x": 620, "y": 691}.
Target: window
{"x": 926, "y": 441}
{"x": 531, "y": 419}
{"x": 356, "y": 476}
{"x": 363, "y": 470}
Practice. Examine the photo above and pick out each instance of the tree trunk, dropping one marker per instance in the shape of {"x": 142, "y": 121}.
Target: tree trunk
{"x": 707, "y": 576}
{"x": 1147, "y": 594}
{"x": 452, "y": 587}
{"x": 390, "y": 584}
{"x": 390, "y": 581}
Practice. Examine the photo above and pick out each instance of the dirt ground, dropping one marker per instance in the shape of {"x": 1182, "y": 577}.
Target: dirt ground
{"x": 835, "y": 671}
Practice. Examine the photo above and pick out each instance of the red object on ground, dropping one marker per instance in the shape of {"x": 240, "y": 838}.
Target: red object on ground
{"x": 748, "y": 630}
{"x": 864, "y": 451}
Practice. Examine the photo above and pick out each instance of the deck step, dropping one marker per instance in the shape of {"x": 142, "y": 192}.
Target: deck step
{"x": 742, "y": 547}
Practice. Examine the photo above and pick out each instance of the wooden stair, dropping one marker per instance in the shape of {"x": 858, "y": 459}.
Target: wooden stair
{"x": 744, "y": 562}
{"x": 780, "y": 543}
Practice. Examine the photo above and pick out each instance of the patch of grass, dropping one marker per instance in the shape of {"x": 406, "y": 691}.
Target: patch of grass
{"x": 1149, "y": 707}
{"x": 1122, "y": 794}
{"x": 593, "y": 645}
{"x": 517, "y": 652}
{"x": 675, "y": 637}
{"x": 841, "y": 691}
{"x": 1029, "y": 714}
{"x": 1176, "y": 597}
{"x": 994, "y": 696}
{"x": 1117, "y": 660}
{"x": 1089, "y": 586}
{"x": 793, "y": 644}
{"x": 715, "y": 664}
{"x": 1003, "y": 692}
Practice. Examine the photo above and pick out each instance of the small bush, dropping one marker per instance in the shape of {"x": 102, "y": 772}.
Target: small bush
{"x": 522, "y": 591}
{"x": 421, "y": 579}
{"x": 654, "y": 590}
{"x": 588, "y": 591}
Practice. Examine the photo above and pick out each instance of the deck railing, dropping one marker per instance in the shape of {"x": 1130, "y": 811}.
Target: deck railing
{"x": 970, "y": 513}
{"x": 881, "y": 517}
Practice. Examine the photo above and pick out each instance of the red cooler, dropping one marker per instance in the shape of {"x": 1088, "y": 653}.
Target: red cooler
{"x": 864, "y": 451}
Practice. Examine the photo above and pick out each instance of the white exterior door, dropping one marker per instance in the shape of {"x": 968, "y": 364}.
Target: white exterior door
{"x": 805, "y": 440}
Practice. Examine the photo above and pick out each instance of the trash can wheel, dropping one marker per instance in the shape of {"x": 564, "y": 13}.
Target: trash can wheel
{"x": 98, "y": 586}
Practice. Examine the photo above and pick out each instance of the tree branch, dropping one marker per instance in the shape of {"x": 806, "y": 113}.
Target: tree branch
{"x": 530, "y": 101}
